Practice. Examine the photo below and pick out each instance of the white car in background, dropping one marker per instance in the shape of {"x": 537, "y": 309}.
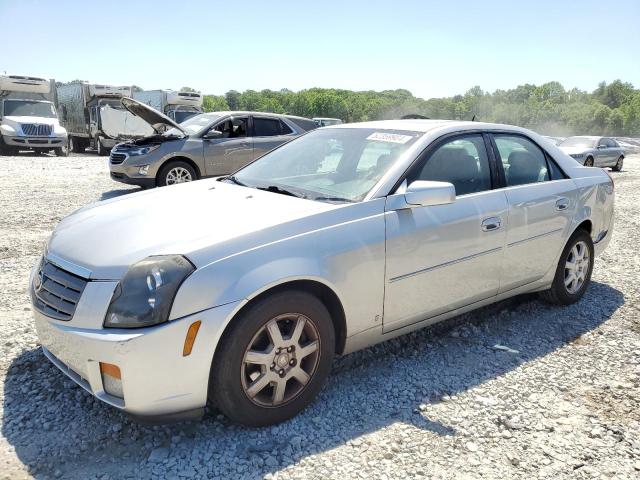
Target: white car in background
{"x": 340, "y": 239}
{"x": 594, "y": 151}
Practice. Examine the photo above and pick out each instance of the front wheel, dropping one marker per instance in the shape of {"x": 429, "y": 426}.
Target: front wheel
{"x": 62, "y": 151}
{"x": 618, "y": 166}
{"x": 274, "y": 360}
{"x": 588, "y": 162}
{"x": 573, "y": 273}
{"x": 102, "y": 151}
{"x": 176, "y": 172}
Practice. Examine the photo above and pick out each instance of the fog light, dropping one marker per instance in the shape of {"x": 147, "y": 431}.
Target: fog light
{"x": 143, "y": 170}
{"x": 111, "y": 379}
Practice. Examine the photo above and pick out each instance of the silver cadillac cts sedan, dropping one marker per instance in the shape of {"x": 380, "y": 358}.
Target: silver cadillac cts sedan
{"x": 342, "y": 238}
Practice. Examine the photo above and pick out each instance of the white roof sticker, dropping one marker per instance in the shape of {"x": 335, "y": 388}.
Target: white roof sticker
{"x": 389, "y": 137}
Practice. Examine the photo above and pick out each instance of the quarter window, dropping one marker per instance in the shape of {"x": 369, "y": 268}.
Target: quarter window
{"x": 523, "y": 161}
{"x": 463, "y": 162}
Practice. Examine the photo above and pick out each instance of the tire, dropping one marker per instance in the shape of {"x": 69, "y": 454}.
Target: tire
{"x": 560, "y": 292}
{"x": 618, "y": 166}
{"x": 76, "y": 145}
{"x": 102, "y": 152}
{"x": 6, "y": 149}
{"x": 176, "y": 171}
{"x": 588, "y": 162}
{"x": 247, "y": 392}
{"x": 62, "y": 151}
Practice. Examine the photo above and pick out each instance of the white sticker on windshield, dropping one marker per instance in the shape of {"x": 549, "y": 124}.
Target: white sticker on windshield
{"x": 389, "y": 137}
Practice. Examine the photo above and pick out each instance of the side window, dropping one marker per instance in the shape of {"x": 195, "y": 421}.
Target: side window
{"x": 233, "y": 128}
{"x": 266, "y": 127}
{"x": 523, "y": 161}
{"x": 463, "y": 162}
{"x": 611, "y": 143}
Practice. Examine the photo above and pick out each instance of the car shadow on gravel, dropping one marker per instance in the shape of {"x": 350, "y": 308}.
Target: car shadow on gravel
{"x": 58, "y": 429}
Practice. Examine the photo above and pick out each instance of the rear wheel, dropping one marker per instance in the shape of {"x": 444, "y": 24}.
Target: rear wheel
{"x": 176, "y": 172}
{"x": 76, "y": 145}
{"x": 618, "y": 166}
{"x": 274, "y": 360}
{"x": 573, "y": 273}
{"x": 588, "y": 162}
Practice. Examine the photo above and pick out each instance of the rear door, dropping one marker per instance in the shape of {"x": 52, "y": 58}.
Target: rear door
{"x": 269, "y": 133}
{"x": 234, "y": 149}
{"x": 542, "y": 202}
{"x": 443, "y": 257}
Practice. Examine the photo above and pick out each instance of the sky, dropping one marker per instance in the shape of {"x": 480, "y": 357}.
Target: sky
{"x": 431, "y": 48}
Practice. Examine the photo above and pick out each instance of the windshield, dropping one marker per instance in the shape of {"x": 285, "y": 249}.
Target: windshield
{"x": 337, "y": 164}
{"x": 180, "y": 116}
{"x": 29, "y": 108}
{"x": 194, "y": 125}
{"x": 578, "y": 142}
{"x": 113, "y": 103}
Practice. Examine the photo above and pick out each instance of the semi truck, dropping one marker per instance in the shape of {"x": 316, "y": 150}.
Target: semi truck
{"x": 95, "y": 118}
{"x": 178, "y": 106}
{"x": 28, "y": 116}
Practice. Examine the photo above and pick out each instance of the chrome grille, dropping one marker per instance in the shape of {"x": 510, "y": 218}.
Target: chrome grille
{"x": 117, "y": 158}
{"x": 56, "y": 292}
{"x": 36, "y": 130}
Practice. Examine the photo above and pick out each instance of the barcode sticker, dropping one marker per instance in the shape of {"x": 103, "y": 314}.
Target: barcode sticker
{"x": 389, "y": 137}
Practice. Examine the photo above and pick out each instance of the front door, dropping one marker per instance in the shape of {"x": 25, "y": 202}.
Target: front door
{"x": 234, "y": 149}
{"x": 440, "y": 258}
{"x": 542, "y": 203}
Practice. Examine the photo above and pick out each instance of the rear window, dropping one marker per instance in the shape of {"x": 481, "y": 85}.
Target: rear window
{"x": 304, "y": 123}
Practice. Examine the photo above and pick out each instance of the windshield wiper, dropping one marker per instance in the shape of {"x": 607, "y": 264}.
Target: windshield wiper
{"x": 282, "y": 191}
{"x": 233, "y": 179}
{"x": 333, "y": 199}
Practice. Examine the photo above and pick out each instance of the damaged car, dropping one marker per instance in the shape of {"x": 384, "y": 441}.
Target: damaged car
{"x": 205, "y": 145}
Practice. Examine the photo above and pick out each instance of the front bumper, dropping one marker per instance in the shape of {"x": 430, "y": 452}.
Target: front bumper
{"x": 144, "y": 182}
{"x": 34, "y": 142}
{"x": 157, "y": 380}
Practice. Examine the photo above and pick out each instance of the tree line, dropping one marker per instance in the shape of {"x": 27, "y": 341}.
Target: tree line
{"x": 611, "y": 109}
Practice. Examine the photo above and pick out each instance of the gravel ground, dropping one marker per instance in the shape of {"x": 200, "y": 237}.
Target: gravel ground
{"x": 563, "y": 402}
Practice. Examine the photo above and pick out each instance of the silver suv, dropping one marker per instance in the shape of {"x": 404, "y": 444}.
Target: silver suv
{"x": 206, "y": 145}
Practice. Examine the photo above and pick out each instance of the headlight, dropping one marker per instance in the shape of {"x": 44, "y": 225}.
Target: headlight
{"x": 577, "y": 155}
{"x": 59, "y": 131}
{"x": 9, "y": 130}
{"x": 142, "y": 150}
{"x": 145, "y": 295}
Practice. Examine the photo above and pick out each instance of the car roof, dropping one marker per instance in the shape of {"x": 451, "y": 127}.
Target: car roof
{"x": 424, "y": 126}
{"x": 245, "y": 112}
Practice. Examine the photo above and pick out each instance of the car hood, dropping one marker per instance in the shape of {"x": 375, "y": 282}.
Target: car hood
{"x": 14, "y": 120}
{"x": 158, "y": 120}
{"x": 109, "y": 236}
{"x": 574, "y": 150}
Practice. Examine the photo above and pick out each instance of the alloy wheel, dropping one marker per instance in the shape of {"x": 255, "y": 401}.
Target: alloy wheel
{"x": 280, "y": 360}
{"x": 178, "y": 175}
{"x": 576, "y": 267}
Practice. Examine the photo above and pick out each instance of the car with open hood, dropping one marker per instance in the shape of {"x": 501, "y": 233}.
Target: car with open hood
{"x": 205, "y": 145}
{"x": 594, "y": 151}
{"x": 238, "y": 291}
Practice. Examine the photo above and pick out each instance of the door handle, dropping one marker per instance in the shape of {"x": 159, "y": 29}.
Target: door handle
{"x": 491, "y": 223}
{"x": 562, "y": 204}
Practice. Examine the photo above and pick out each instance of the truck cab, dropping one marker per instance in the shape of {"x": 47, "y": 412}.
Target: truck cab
{"x": 28, "y": 116}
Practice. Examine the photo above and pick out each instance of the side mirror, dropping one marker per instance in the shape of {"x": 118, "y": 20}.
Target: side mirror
{"x": 212, "y": 134}
{"x": 602, "y": 146}
{"x": 425, "y": 193}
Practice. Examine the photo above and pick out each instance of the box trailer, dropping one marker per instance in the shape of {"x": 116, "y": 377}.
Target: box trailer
{"x": 28, "y": 116}
{"x": 178, "y": 106}
{"x": 95, "y": 118}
